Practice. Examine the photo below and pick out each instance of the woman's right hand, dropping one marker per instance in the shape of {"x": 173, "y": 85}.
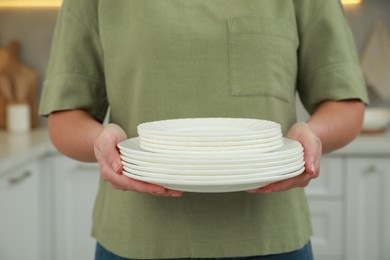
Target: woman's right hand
{"x": 107, "y": 155}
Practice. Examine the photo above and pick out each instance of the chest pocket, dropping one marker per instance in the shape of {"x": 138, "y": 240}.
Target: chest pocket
{"x": 262, "y": 57}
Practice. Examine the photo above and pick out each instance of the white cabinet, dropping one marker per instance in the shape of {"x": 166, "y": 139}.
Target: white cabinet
{"x": 326, "y": 200}
{"x": 74, "y": 195}
{"x": 368, "y": 208}
{"x": 46, "y": 203}
{"x": 349, "y": 204}
{"x": 23, "y": 218}
{"x": 327, "y": 220}
{"x": 350, "y": 208}
{"x": 46, "y": 209}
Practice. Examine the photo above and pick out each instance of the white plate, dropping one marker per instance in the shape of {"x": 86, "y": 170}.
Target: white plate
{"x": 208, "y": 127}
{"x": 241, "y": 137}
{"x": 208, "y": 165}
{"x": 182, "y": 173}
{"x": 170, "y": 149}
{"x": 203, "y": 143}
{"x": 254, "y": 169}
{"x": 215, "y": 186}
{"x": 132, "y": 146}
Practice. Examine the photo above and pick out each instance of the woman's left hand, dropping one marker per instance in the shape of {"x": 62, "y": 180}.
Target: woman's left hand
{"x": 312, "y": 154}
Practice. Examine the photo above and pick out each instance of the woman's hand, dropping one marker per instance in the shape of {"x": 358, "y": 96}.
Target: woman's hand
{"x": 312, "y": 154}
{"x": 107, "y": 155}
{"x": 332, "y": 125}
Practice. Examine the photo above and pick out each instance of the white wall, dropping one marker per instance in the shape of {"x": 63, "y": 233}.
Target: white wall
{"x": 33, "y": 28}
{"x": 362, "y": 17}
{"x": 361, "y": 20}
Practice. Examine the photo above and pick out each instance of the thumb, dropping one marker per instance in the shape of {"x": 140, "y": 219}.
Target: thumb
{"x": 106, "y": 151}
{"x": 311, "y": 144}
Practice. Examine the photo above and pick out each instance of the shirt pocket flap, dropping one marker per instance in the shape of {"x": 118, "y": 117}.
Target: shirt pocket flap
{"x": 263, "y": 25}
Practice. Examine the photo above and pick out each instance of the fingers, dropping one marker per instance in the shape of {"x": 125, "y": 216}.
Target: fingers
{"x": 122, "y": 182}
{"x": 108, "y": 157}
{"x": 312, "y": 156}
{"x": 301, "y": 180}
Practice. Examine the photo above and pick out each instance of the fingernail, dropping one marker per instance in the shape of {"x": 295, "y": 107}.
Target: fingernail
{"x": 265, "y": 190}
{"x": 116, "y": 166}
{"x": 167, "y": 194}
{"x": 174, "y": 193}
{"x": 312, "y": 169}
{"x": 260, "y": 190}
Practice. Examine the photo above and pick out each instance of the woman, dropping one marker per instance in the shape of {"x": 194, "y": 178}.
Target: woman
{"x": 152, "y": 60}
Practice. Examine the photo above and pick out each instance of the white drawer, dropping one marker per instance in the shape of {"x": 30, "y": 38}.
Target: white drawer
{"x": 327, "y": 222}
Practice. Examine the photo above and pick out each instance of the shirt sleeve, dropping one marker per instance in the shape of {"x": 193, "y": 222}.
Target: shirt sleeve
{"x": 75, "y": 78}
{"x": 329, "y": 67}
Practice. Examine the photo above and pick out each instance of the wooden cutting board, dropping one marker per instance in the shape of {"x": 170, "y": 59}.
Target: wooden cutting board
{"x": 3, "y": 119}
{"x": 24, "y": 82}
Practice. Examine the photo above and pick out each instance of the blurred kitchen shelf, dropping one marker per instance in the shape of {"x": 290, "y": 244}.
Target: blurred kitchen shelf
{"x": 30, "y": 3}
{"x": 368, "y": 144}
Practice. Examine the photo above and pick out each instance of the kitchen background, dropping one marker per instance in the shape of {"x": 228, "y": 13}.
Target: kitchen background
{"x": 46, "y": 199}
{"x": 33, "y": 29}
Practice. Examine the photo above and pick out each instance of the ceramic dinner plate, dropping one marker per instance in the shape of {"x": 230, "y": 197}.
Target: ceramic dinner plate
{"x": 215, "y": 177}
{"x": 215, "y": 186}
{"x": 231, "y": 138}
{"x": 182, "y": 173}
{"x": 209, "y": 165}
{"x": 132, "y": 146}
{"x": 210, "y": 127}
{"x": 221, "y": 143}
{"x": 170, "y": 149}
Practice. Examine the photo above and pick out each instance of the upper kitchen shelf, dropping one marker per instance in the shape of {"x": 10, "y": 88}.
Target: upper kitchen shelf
{"x": 30, "y": 3}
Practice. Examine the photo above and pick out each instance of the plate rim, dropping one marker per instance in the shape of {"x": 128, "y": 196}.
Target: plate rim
{"x": 214, "y": 172}
{"x": 215, "y": 183}
{"x": 291, "y": 144}
{"x": 163, "y": 125}
{"x": 209, "y": 165}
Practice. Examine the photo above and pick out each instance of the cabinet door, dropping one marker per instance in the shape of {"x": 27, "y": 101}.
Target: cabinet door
{"x": 325, "y": 197}
{"x": 327, "y": 241}
{"x": 368, "y": 209}
{"x": 21, "y": 213}
{"x": 75, "y": 188}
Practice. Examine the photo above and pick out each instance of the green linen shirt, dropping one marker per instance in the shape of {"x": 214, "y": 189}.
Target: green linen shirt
{"x": 160, "y": 59}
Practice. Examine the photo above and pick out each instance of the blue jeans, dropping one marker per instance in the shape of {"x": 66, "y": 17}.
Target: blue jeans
{"x": 304, "y": 253}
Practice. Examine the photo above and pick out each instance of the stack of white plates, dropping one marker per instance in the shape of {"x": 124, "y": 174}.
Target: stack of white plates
{"x": 211, "y": 154}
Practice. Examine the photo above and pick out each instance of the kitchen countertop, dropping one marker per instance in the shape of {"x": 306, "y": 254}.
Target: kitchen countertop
{"x": 16, "y": 149}
{"x": 367, "y": 145}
